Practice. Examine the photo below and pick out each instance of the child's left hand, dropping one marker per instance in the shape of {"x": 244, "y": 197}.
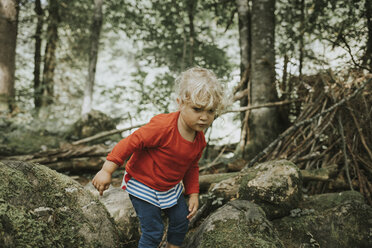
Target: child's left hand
{"x": 193, "y": 204}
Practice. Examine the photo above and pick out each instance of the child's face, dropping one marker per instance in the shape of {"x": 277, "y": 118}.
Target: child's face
{"x": 196, "y": 118}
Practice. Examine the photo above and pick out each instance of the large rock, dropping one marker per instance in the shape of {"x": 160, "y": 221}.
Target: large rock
{"x": 329, "y": 220}
{"x": 276, "y": 186}
{"x": 19, "y": 139}
{"x": 42, "y": 208}
{"x": 238, "y": 224}
{"x": 119, "y": 206}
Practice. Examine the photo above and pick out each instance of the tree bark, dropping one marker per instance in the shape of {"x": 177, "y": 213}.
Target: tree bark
{"x": 302, "y": 32}
{"x": 263, "y": 122}
{"x": 244, "y": 16}
{"x": 37, "y": 55}
{"x": 191, "y": 4}
{"x": 50, "y": 54}
{"x": 367, "y": 59}
{"x": 9, "y": 10}
{"x": 93, "y": 55}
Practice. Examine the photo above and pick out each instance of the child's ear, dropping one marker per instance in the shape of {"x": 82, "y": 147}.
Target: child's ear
{"x": 179, "y": 102}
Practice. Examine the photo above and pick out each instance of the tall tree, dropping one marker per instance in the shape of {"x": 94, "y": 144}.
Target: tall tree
{"x": 37, "y": 55}
{"x": 93, "y": 54}
{"x": 245, "y": 44}
{"x": 9, "y": 10}
{"x": 191, "y": 9}
{"x": 47, "y": 84}
{"x": 263, "y": 122}
{"x": 367, "y": 58}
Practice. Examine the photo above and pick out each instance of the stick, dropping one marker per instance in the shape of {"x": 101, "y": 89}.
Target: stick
{"x": 265, "y": 105}
{"x": 104, "y": 134}
{"x": 344, "y": 150}
{"x": 361, "y": 134}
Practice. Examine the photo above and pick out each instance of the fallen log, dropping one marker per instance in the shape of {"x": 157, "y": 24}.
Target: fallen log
{"x": 63, "y": 154}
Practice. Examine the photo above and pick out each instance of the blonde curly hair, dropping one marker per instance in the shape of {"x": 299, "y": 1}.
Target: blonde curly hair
{"x": 200, "y": 87}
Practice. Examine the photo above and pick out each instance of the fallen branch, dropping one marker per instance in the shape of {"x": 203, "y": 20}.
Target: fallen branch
{"x": 214, "y": 162}
{"x": 265, "y": 105}
{"x": 104, "y": 134}
{"x": 56, "y": 155}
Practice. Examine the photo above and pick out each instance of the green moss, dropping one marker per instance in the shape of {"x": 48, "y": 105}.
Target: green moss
{"x": 21, "y": 142}
{"x": 347, "y": 225}
{"x": 36, "y": 209}
{"x": 227, "y": 233}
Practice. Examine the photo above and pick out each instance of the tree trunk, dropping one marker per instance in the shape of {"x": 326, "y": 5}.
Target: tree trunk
{"x": 367, "y": 59}
{"x": 263, "y": 122}
{"x": 302, "y": 32}
{"x": 93, "y": 54}
{"x": 37, "y": 56}
{"x": 191, "y": 4}
{"x": 9, "y": 10}
{"x": 244, "y": 16}
{"x": 50, "y": 54}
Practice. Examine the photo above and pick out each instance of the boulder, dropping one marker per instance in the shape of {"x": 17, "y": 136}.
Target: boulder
{"x": 19, "y": 139}
{"x": 276, "y": 186}
{"x": 119, "y": 206}
{"x": 237, "y": 224}
{"x": 330, "y": 220}
{"x": 42, "y": 208}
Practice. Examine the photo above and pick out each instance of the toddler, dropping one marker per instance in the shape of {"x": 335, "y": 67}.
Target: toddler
{"x": 164, "y": 160}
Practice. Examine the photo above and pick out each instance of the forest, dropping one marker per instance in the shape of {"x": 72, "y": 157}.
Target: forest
{"x": 78, "y": 76}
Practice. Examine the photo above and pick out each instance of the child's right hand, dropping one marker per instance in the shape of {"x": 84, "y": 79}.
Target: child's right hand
{"x": 102, "y": 181}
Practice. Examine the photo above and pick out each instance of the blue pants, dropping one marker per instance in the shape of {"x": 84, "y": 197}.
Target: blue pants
{"x": 152, "y": 226}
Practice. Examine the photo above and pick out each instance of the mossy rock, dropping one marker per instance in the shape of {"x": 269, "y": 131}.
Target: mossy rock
{"x": 331, "y": 220}
{"x": 238, "y": 224}
{"x": 275, "y": 186}
{"x": 20, "y": 141}
{"x": 42, "y": 208}
{"x": 329, "y": 200}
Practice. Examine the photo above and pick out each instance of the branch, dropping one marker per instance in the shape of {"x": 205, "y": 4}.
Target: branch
{"x": 265, "y": 105}
{"x": 295, "y": 126}
{"x": 104, "y": 134}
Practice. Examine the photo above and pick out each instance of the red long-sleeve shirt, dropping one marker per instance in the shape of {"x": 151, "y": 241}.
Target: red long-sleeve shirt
{"x": 161, "y": 157}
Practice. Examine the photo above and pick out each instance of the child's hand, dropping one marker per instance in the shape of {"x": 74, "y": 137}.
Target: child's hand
{"x": 193, "y": 204}
{"x": 102, "y": 181}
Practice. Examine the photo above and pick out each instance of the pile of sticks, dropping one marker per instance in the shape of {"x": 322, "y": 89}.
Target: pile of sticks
{"x": 333, "y": 126}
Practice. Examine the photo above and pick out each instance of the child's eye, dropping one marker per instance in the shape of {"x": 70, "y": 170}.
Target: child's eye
{"x": 211, "y": 111}
{"x": 197, "y": 109}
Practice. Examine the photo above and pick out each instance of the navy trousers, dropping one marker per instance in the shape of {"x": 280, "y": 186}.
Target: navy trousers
{"x": 152, "y": 226}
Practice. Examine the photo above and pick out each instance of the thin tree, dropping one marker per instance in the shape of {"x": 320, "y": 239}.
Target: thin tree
{"x": 47, "y": 84}
{"x": 367, "y": 58}
{"x": 93, "y": 55}
{"x": 191, "y": 8}
{"x": 9, "y": 10}
{"x": 245, "y": 44}
{"x": 264, "y": 122}
{"x": 37, "y": 56}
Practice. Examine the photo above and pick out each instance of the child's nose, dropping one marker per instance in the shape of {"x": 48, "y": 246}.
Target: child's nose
{"x": 204, "y": 115}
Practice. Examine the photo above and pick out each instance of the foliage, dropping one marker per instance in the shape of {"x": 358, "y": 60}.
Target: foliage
{"x": 163, "y": 31}
{"x": 334, "y": 26}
